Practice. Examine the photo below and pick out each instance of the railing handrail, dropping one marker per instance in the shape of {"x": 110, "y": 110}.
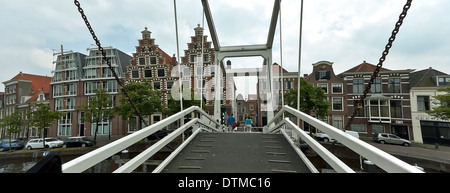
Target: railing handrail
{"x": 382, "y": 159}
{"x": 89, "y": 159}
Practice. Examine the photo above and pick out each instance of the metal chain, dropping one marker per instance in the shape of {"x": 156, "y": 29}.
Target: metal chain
{"x": 382, "y": 59}
{"x": 108, "y": 62}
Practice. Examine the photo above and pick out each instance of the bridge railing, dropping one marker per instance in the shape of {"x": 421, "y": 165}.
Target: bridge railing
{"x": 380, "y": 158}
{"x": 94, "y": 157}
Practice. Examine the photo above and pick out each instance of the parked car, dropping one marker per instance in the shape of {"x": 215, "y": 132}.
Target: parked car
{"x": 77, "y": 142}
{"x": 390, "y": 138}
{"x": 323, "y": 137}
{"x": 49, "y": 143}
{"x": 16, "y": 144}
{"x": 326, "y": 138}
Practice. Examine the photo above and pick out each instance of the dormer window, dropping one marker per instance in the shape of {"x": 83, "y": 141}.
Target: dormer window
{"x": 443, "y": 81}
{"x": 41, "y": 97}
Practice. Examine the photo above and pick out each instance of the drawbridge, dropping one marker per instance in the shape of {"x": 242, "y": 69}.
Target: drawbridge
{"x": 211, "y": 148}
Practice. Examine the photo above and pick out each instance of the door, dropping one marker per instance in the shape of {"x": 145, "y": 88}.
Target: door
{"x": 401, "y": 131}
{"x": 38, "y": 144}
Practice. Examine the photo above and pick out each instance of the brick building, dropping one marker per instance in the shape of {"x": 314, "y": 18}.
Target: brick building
{"x": 323, "y": 76}
{"x": 20, "y": 93}
{"x": 150, "y": 63}
{"x": 76, "y": 77}
{"x": 386, "y": 108}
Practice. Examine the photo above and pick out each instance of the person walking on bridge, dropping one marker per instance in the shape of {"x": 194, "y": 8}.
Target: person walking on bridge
{"x": 231, "y": 121}
{"x": 248, "y": 124}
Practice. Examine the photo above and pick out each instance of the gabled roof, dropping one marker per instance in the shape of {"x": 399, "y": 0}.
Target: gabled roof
{"x": 365, "y": 67}
{"x": 424, "y": 78}
{"x": 38, "y": 83}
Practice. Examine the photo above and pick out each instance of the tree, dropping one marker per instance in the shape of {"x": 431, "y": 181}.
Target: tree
{"x": 146, "y": 100}
{"x": 99, "y": 108}
{"x": 12, "y": 122}
{"x": 312, "y": 99}
{"x": 442, "y": 111}
{"x": 174, "y": 106}
{"x": 41, "y": 117}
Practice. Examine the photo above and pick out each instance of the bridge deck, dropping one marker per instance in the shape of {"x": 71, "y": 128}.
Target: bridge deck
{"x": 237, "y": 153}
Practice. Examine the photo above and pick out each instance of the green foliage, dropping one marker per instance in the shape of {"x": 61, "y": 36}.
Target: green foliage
{"x": 42, "y": 117}
{"x": 174, "y": 106}
{"x": 146, "y": 100}
{"x": 312, "y": 99}
{"x": 12, "y": 123}
{"x": 442, "y": 111}
{"x": 99, "y": 108}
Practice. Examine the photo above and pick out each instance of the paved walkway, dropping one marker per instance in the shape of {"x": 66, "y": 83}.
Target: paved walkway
{"x": 237, "y": 153}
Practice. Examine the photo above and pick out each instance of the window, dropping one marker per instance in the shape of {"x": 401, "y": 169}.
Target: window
{"x": 337, "y": 88}
{"x": 69, "y": 103}
{"x": 212, "y": 69}
{"x": 289, "y": 85}
{"x": 379, "y": 110}
{"x": 186, "y": 72}
{"x": 199, "y": 71}
{"x": 65, "y": 125}
{"x": 323, "y": 75}
{"x": 358, "y": 85}
{"x": 338, "y": 104}
{"x": 338, "y": 122}
{"x": 205, "y": 57}
{"x": 135, "y": 74}
{"x": 157, "y": 85}
{"x": 324, "y": 87}
{"x": 156, "y": 118}
{"x": 91, "y": 73}
{"x": 110, "y": 86}
{"x": 200, "y": 83}
{"x": 394, "y": 85}
{"x": 142, "y": 61}
{"x": 186, "y": 84}
{"x": 377, "y": 128}
{"x": 376, "y": 86}
{"x": 443, "y": 81}
{"x": 169, "y": 85}
{"x": 161, "y": 73}
{"x": 193, "y": 58}
{"x": 147, "y": 73}
{"x": 396, "y": 109}
{"x": 103, "y": 127}
{"x": 41, "y": 97}
{"x": 359, "y": 127}
{"x": 153, "y": 60}
{"x": 132, "y": 124}
{"x": 423, "y": 103}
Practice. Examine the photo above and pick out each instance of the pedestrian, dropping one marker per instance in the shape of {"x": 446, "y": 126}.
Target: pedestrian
{"x": 248, "y": 124}
{"x": 231, "y": 121}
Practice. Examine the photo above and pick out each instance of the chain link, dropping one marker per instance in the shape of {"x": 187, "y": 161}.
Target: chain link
{"x": 382, "y": 59}
{"x": 108, "y": 62}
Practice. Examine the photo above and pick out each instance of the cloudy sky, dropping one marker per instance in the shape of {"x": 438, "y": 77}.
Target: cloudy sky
{"x": 346, "y": 32}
